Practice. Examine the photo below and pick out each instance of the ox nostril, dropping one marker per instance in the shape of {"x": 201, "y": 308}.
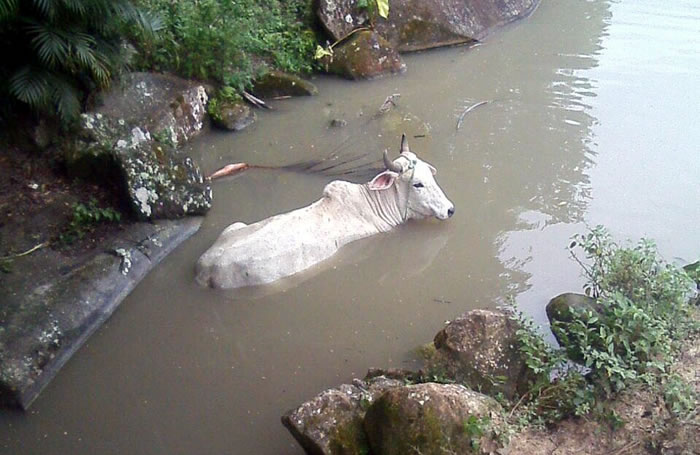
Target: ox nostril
{"x": 450, "y": 212}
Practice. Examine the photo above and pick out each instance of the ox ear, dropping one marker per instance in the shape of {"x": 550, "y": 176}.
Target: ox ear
{"x": 432, "y": 169}
{"x": 383, "y": 181}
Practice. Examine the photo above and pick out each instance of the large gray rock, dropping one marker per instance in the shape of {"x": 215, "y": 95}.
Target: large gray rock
{"x": 158, "y": 181}
{"x": 423, "y": 24}
{"x": 481, "y": 349}
{"x": 365, "y": 55}
{"x": 331, "y": 422}
{"x": 165, "y": 105}
{"x": 431, "y": 418}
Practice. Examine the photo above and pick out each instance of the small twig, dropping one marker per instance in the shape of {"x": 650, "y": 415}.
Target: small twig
{"x": 517, "y": 404}
{"x": 255, "y": 100}
{"x": 347, "y": 35}
{"x": 626, "y": 447}
{"x": 29, "y": 251}
{"x": 466, "y": 111}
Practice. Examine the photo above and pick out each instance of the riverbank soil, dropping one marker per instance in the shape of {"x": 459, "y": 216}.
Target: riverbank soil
{"x": 36, "y": 207}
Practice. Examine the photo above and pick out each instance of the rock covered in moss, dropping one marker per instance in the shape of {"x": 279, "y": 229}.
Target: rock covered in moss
{"x": 423, "y": 24}
{"x": 365, "y": 55}
{"x": 561, "y": 310}
{"x": 232, "y": 115}
{"x": 165, "y": 105}
{"x": 331, "y": 422}
{"x": 277, "y": 83}
{"x": 480, "y": 349}
{"x": 158, "y": 181}
{"x": 431, "y": 418}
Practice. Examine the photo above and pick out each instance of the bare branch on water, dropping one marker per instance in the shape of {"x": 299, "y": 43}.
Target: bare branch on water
{"x": 388, "y": 103}
{"x": 467, "y": 110}
{"x": 255, "y": 101}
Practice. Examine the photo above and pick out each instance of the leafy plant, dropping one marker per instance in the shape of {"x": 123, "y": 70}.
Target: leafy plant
{"x": 230, "y": 42}
{"x": 375, "y": 8}
{"x": 679, "y": 396}
{"x": 475, "y": 427}
{"x": 85, "y": 218}
{"x": 226, "y": 95}
{"x": 642, "y": 314}
{"x": 57, "y": 50}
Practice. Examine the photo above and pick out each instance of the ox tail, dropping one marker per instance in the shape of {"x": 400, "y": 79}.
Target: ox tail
{"x": 229, "y": 169}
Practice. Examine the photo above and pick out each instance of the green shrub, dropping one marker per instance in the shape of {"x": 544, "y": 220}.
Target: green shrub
{"x": 55, "y": 51}
{"x": 643, "y": 315}
{"x": 230, "y": 42}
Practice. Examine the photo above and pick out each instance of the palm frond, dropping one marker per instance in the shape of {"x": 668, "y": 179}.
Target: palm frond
{"x": 150, "y": 23}
{"x": 30, "y": 85}
{"x": 50, "y": 43}
{"x": 82, "y": 49}
{"x": 76, "y": 7}
{"x": 47, "y": 8}
{"x": 7, "y": 8}
{"x": 66, "y": 99}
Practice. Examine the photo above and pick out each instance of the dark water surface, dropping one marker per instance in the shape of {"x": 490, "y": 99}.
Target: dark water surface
{"x": 593, "y": 118}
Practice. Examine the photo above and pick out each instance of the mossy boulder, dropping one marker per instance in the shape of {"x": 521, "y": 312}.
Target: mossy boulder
{"x": 364, "y": 55}
{"x": 480, "y": 349}
{"x": 231, "y": 115}
{"x": 562, "y": 310}
{"x": 278, "y": 83}
{"x": 423, "y": 24}
{"x": 165, "y": 105}
{"x": 431, "y": 419}
{"x": 331, "y": 422}
{"x": 157, "y": 181}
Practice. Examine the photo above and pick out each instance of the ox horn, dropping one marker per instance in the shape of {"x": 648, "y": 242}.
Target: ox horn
{"x": 404, "y": 144}
{"x": 390, "y": 165}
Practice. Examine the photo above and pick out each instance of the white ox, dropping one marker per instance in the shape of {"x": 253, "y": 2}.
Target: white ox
{"x": 276, "y": 247}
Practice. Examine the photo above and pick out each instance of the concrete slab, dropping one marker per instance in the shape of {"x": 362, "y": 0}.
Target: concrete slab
{"x": 50, "y": 308}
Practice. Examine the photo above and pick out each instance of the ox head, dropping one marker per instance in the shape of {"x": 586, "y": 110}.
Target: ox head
{"x": 416, "y": 185}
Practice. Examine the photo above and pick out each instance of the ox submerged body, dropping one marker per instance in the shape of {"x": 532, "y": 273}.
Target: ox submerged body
{"x": 280, "y": 246}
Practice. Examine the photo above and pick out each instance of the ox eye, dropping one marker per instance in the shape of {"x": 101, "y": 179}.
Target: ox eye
{"x": 418, "y": 185}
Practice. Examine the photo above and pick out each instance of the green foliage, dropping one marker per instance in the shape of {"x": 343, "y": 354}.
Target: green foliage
{"x": 375, "y": 8}
{"x": 230, "y": 42}
{"x": 475, "y": 428}
{"x": 644, "y": 311}
{"x": 226, "y": 95}
{"x": 85, "y": 218}
{"x": 679, "y": 396}
{"x": 548, "y": 400}
{"x": 54, "y": 51}
{"x": 643, "y": 314}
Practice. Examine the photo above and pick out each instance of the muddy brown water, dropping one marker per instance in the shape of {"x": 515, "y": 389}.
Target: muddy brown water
{"x": 592, "y": 118}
